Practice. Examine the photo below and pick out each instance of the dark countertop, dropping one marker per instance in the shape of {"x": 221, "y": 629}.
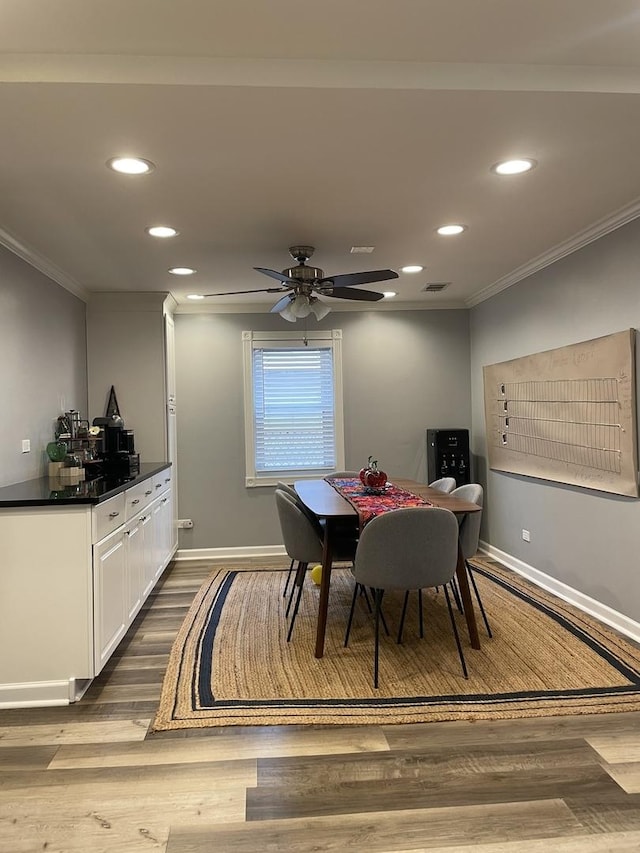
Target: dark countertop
{"x": 46, "y": 491}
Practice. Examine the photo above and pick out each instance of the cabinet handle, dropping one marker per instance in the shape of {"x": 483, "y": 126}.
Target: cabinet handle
{"x": 158, "y": 485}
{"x": 114, "y": 514}
{"x": 168, "y": 480}
{"x": 164, "y": 500}
{"x": 149, "y": 492}
{"x": 137, "y": 501}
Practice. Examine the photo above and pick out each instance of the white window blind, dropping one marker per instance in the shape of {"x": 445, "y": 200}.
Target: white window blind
{"x": 293, "y": 413}
{"x": 293, "y": 408}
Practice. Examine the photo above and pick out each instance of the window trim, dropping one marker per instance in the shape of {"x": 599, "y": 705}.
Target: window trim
{"x": 254, "y": 340}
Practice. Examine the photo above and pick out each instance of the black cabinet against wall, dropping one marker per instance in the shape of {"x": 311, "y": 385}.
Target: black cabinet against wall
{"x": 448, "y": 455}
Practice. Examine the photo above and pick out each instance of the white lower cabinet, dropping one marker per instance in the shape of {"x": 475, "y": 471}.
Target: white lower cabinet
{"x": 73, "y": 578}
{"x": 128, "y": 562}
{"x": 111, "y": 619}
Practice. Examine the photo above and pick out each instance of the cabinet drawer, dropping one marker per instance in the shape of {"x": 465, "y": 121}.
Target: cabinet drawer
{"x": 107, "y": 516}
{"x": 138, "y": 496}
{"x": 162, "y": 481}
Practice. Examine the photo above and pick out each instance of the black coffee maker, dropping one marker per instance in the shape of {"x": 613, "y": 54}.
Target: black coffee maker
{"x": 119, "y": 454}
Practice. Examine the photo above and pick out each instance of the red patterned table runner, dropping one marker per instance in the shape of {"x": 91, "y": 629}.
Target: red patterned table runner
{"x": 369, "y": 505}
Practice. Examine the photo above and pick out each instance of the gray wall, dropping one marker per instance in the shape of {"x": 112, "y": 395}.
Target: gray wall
{"x": 403, "y": 371}
{"x": 43, "y": 364}
{"x": 586, "y": 539}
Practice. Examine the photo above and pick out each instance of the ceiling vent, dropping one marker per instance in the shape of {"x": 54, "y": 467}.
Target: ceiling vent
{"x": 435, "y": 286}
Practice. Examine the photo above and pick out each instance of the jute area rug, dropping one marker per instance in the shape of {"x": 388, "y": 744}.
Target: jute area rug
{"x": 231, "y": 663}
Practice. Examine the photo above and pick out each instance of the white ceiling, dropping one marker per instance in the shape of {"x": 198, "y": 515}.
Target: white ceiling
{"x": 334, "y": 124}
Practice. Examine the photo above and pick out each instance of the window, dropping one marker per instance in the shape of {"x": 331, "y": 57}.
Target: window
{"x": 293, "y": 405}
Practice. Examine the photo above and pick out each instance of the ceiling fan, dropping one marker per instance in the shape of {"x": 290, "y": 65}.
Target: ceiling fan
{"x": 299, "y": 285}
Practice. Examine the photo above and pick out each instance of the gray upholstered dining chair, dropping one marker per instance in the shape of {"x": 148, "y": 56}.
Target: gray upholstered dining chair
{"x": 444, "y": 484}
{"x": 303, "y": 537}
{"x": 285, "y": 487}
{"x": 470, "y": 536}
{"x": 407, "y": 549}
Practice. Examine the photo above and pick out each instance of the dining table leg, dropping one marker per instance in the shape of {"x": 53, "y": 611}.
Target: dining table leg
{"x": 325, "y": 584}
{"x": 467, "y": 602}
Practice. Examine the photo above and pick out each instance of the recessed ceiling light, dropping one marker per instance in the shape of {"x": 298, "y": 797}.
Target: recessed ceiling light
{"x": 514, "y": 167}
{"x": 181, "y": 271}
{"x": 130, "y": 165}
{"x": 389, "y": 294}
{"x": 412, "y": 268}
{"x": 195, "y": 296}
{"x": 447, "y": 230}
{"x": 161, "y": 231}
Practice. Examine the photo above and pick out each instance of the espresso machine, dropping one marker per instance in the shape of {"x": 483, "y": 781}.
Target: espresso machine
{"x": 119, "y": 456}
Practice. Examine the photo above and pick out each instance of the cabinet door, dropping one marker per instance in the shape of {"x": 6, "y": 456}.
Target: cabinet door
{"x": 164, "y": 531}
{"x": 109, "y": 606}
{"x": 149, "y": 552}
{"x": 135, "y": 562}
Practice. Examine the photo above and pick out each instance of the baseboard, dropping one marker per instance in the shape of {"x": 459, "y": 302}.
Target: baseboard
{"x": 583, "y": 602}
{"x": 216, "y": 555}
{"x": 36, "y": 694}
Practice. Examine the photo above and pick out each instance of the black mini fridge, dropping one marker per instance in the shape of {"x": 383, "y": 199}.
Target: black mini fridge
{"x": 448, "y": 455}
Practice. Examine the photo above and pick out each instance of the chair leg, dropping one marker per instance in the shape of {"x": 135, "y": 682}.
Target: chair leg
{"x": 298, "y": 597}
{"x": 298, "y": 581}
{"x": 420, "y": 614}
{"x": 363, "y": 591}
{"x": 456, "y": 594}
{"x": 353, "y": 607}
{"x": 376, "y": 654}
{"x": 382, "y": 619}
{"x": 475, "y": 589}
{"x": 455, "y": 632}
{"x": 289, "y": 573}
{"x": 402, "y": 616}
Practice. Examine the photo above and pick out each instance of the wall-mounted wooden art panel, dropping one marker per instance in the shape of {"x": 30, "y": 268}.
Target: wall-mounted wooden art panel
{"x": 567, "y": 414}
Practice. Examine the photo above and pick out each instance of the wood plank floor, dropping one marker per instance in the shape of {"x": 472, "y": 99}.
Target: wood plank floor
{"x": 89, "y": 778}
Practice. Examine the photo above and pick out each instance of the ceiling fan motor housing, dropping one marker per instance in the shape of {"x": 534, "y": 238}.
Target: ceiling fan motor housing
{"x": 303, "y": 273}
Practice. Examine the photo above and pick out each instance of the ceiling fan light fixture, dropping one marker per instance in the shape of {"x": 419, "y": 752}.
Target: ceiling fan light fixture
{"x": 411, "y": 268}
{"x": 287, "y": 313}
{"x": 320, "y": 309}
{"x": 181, "y": 271}
{"x": 301, "y": 306}
{"x": 389, "y": 294}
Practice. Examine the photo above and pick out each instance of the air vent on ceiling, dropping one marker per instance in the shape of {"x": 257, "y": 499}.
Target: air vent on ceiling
{"x": 435, "y": 286}
{"x": 362, "y": 250}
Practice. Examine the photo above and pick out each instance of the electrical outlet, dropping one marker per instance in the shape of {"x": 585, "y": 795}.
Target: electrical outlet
{"x": 185, "y": 523}
{"x": 26, "y": 445}
{"x": 526, "y": 535}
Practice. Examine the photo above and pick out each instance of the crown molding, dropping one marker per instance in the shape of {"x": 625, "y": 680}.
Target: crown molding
{"x": 561, "y": 250}
{"x": 43, "y": 265}
{"x": 314, "y": 73}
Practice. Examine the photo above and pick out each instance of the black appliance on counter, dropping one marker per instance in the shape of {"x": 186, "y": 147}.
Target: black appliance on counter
{"x": 448, "y": 455}
{"x": 119, "y": 457}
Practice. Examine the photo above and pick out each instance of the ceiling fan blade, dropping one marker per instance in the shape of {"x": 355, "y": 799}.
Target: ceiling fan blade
{"x": 280, "y": 304}
{"x": 259, "y": 290}
{"x": 280, "y": 276}
{"x": 347, "y": 293}
{"x": 350, "y": 278}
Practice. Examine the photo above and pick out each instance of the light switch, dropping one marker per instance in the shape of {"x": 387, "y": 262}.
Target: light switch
{"x": 26, "y": 445}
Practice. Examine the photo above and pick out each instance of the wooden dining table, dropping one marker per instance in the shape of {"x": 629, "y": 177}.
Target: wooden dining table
{"x": 320, "y": 497}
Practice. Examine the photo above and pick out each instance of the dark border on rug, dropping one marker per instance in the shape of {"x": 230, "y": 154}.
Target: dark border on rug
{"x": 201, "y": 679}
